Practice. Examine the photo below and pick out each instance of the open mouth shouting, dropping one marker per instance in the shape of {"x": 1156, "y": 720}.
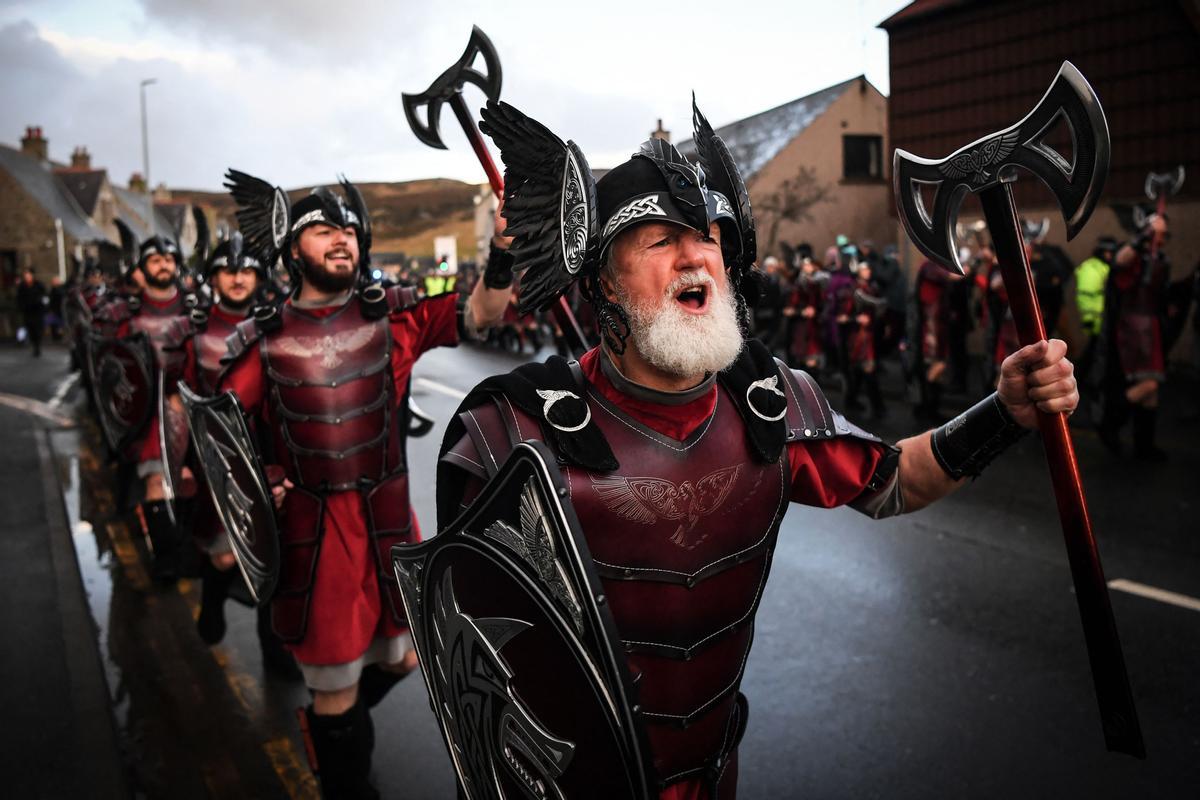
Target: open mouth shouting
{"x": 694, "y": 297}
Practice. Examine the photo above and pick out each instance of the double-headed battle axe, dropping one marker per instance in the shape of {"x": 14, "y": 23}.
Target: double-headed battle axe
{"x": 987, "y": 167}
{"x": 1159, "y": 185}
{"x": 448, "y": 88}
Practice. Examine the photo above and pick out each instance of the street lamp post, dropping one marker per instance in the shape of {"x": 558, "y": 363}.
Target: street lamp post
{"x": 145, "y": 135}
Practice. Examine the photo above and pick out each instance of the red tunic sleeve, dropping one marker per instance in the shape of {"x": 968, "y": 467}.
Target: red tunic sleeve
{"x": 431, "y": 323}
{"x": 244, "y": 377}
{"x": 832, "y": 472}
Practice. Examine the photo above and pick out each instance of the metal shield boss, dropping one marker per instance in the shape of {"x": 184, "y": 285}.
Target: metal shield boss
{"x": 520, "y": 654}
{"x": 121, "y": 372}
{"x": 239, "y": 488}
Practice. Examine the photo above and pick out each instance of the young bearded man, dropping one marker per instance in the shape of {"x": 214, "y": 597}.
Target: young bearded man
{"x": 682, "y": 441}
{"x": 326, "y": 373}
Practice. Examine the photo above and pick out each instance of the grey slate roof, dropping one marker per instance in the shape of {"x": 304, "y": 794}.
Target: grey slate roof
{"x": 43, "y": 186}
{"x": 83, "y": 186}
{"x": 138, "y": 212}
{"x": 755, "y": 140}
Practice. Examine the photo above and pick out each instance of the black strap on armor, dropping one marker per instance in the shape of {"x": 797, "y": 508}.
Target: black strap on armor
{"x": 973, "y": 439}
{"x": 761, "y": 402}
{"x": 584, "y": 447}
{"x": 498, "y": 274}
{"x": 373, "y": 301}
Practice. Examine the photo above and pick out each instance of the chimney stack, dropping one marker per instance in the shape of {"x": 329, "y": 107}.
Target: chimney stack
{"x": 659, "y": 133}
{"x": 34, "y": 145}
{"x": 137, "y": 183}
{"x": 81, "y": 159}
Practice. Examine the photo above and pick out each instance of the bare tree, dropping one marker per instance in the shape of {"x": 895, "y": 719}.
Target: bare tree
{"x": 793, "y": 201}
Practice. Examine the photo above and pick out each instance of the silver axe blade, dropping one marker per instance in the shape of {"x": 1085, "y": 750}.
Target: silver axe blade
{"x": 1164, "y": 184}
{"x": 448, "y": 86}
{"x": 994, "y": 159}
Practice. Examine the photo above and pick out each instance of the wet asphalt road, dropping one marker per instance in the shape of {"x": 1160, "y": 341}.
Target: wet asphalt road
{"x": 938, "y": 654}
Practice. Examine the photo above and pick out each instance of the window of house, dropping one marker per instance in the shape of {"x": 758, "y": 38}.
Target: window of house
{"x": 862, "y": 157}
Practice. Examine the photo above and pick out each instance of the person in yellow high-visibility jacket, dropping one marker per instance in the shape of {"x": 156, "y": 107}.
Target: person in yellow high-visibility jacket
{"x": 1090, "y": 277}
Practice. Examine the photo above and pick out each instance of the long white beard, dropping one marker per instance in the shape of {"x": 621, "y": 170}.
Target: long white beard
{"x": 679, "y": 343}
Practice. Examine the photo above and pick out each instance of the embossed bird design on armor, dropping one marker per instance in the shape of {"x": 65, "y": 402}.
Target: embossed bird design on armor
{"x": 328, "y": 347}
{"x": 976, "y": 161}
{"x": 647, "y": 500}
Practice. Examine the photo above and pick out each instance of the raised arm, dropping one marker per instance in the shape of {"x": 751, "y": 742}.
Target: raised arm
{"x": 935, "y": 463}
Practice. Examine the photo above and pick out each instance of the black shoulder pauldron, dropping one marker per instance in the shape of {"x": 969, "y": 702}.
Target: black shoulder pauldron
{"x": 552, "y": 393}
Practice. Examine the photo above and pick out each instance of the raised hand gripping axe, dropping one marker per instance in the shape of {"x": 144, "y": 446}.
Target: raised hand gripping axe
{"x": 448, "y": 88}
{"x": 987, "y": 167}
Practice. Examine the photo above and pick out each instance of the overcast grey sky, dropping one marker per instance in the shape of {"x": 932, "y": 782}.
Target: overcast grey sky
{"x": 298, "y": 91}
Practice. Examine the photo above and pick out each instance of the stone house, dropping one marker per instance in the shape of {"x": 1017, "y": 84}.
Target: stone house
{"x": 35, "y": 192}
{"x": 816, "y": 167}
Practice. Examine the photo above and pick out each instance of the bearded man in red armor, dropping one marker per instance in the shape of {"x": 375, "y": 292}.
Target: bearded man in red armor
{"x": 682, "y": 440}
{"x": 162, "y": 313}
{"x": 326, "y": 374}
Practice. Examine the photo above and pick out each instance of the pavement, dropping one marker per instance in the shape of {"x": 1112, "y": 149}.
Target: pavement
{"x": 936, "y": 654}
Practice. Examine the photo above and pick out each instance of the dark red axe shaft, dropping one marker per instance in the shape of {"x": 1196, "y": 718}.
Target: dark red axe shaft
{"x": 562, "y": 312}
{"x": 1122, "y": 732}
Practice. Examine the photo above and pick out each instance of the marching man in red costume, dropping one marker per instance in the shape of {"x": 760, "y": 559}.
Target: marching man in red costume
{"x": 681, "y": 440}
{"x": 326, "y": 373}
{"x": 161, "y": 312}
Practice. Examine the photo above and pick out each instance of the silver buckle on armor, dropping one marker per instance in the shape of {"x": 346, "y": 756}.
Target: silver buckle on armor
{"x": 770, "y": 384}
{"x": 552, "y": 396}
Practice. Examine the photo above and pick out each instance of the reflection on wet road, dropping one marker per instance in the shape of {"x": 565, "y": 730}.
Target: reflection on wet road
{"x": 194, "y": 721}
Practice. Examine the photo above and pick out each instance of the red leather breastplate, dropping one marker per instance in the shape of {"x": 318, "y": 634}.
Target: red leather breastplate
{"x": 210, "y": 348}
{"x": 166, "y": 327}
{"x": 331, "y": 393}
{"x": 682, "y": 536}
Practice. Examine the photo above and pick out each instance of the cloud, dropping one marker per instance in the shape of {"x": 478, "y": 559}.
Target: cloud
{"x": 299, "y": 91}
{"x": 316, "y": 31}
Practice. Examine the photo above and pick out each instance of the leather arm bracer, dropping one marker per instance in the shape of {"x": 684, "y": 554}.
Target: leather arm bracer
{"x": 973, "y": 439}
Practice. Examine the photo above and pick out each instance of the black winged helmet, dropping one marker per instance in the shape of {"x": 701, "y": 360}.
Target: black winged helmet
{"x": 562, "y": 220}
{"x": 269, "y": 224}
{"x": 135, "y": 253}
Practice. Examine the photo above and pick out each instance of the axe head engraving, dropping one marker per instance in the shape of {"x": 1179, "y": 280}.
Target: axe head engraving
{"x": 1164, "y": 183}
{"x": 992, "y": 160}
{"x": 450, "y": 83}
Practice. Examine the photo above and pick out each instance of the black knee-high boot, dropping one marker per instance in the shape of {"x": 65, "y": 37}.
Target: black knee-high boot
{"x": 164, "y": 538}
{"x": 1116, "y": 412}
{"x": 342, "y": 745}
{"x": 213, "y": 592}
{"x": 375, "y": 683}
{"x": 1145, "y": 420}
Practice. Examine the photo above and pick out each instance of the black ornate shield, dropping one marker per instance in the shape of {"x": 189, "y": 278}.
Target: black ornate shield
{"x": 520, "y": 654}
{"x": 240, "y": 491}
{"x": 121, "y": 373}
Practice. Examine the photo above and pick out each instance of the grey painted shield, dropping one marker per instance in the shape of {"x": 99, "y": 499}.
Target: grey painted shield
{"x": 518, "y": 648}
{"x": 239, "y": 488}
{"x": 121, "y": 373}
